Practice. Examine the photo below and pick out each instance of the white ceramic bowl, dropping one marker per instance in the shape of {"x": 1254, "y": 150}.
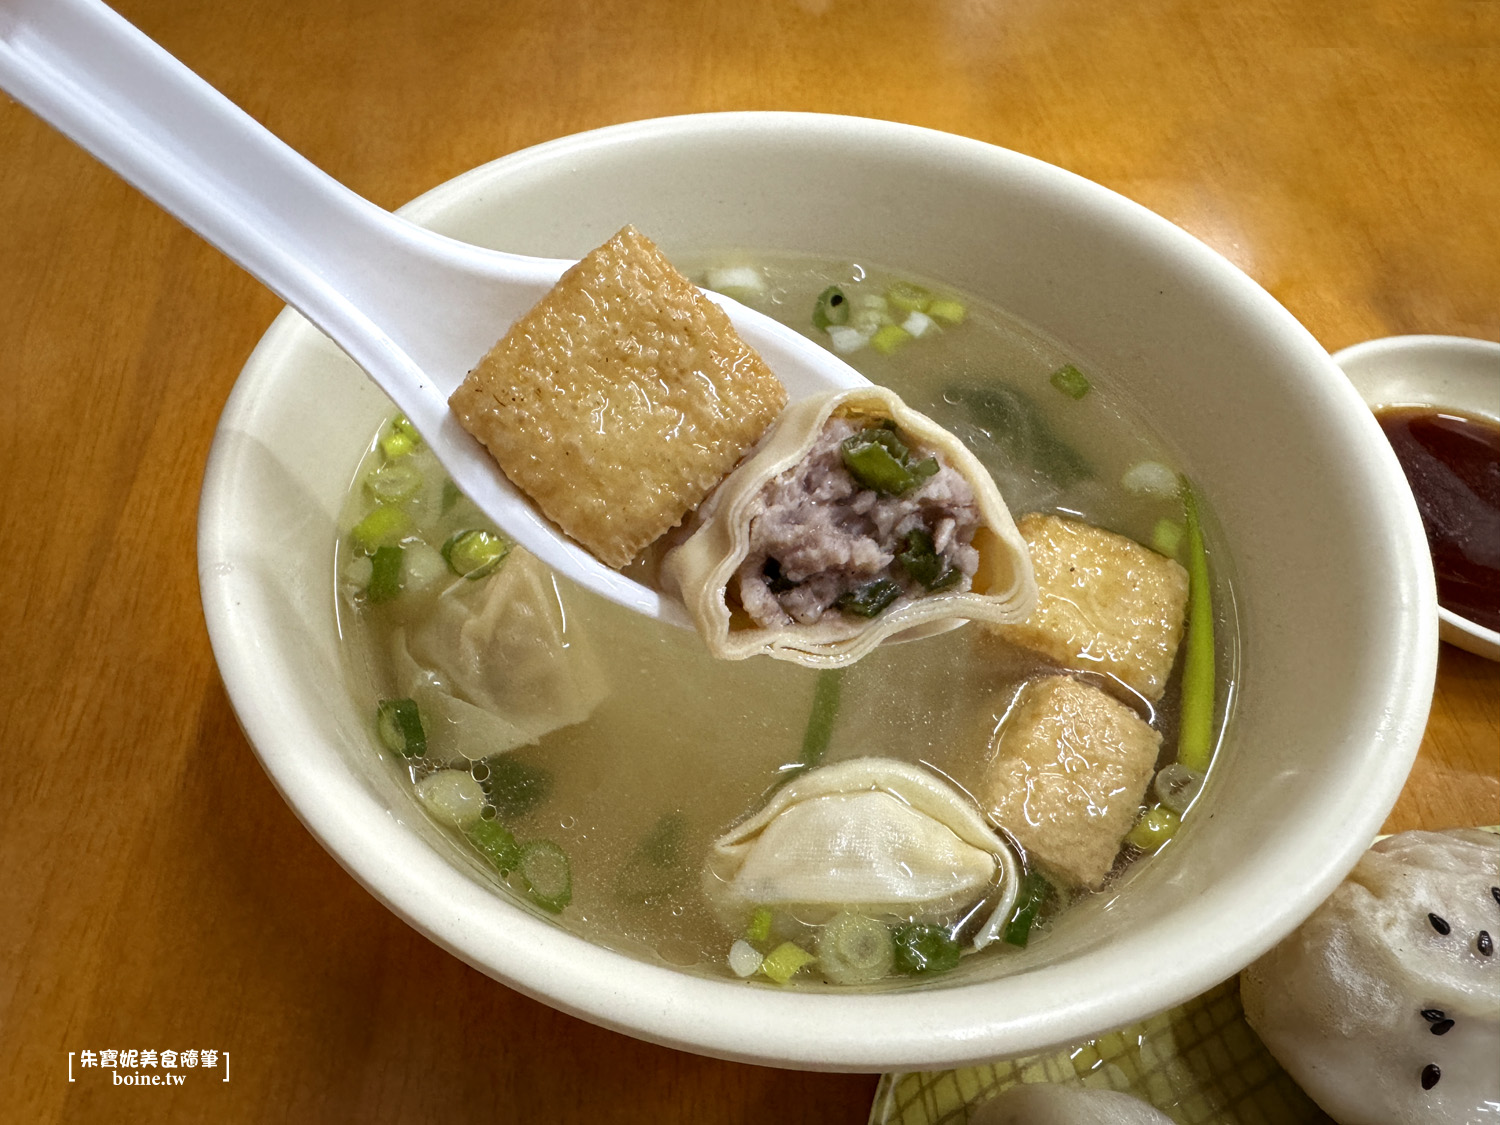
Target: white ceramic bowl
{"x": 1447, "y": 372}
{"x": 1334, "y": 589}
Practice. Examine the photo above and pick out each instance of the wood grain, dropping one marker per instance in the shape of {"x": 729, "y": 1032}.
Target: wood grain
{"x": 157, "y": 892}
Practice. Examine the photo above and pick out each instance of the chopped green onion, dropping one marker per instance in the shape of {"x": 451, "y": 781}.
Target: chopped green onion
{"x": 1035, "y": 891}
{"x": 1150, "y": 478}
{"x": 786, "y": 961}
{"x": 453, "y": 797}
{"x": 920, "y": 560}
{"x": 870, "y": 600}
{"x": 853, "y": 949}
{"x": 399, "y": 438}
{"x": 832, "y": 309}
{"x": 1177, "y": 787}
{"x": 844, "y": 339}
{"x": 386, "y": 565}
{"x": 925, "y": 949}
{"x": 889, "y": 337}
{"x": 496, "y": 844}
{"x": 1154, "y": 829}
{"x": 399, "y": 724}
{"x": 1166, "y": 537}
{"x": 908, "y": 297}
{"x": 393, "y": 481}
{"x": 1195, "y": 737}
{"x": 382, "y": 527}
{"x": 744, "y": 959}
{"x": 1070, "y": 381}
{"x": 759, "y": 929}
{"x": 919, "y": 324}
{"x": 743, "y": 283}
{"x": 473, "y": 554}
{"x": 820, "y": 720}
{"x": 514, "y": 787}
{"x": 549, "y": 878}
{"x": 946, "y": 309}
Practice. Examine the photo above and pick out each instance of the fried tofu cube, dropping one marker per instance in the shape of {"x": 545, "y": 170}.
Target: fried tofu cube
{"x": 1105, "y": 603}
{"x": 620, "y": 400}
{"x": 1070, "y": 766}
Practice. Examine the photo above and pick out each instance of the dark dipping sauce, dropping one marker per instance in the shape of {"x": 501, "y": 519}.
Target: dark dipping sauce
{"x": 1452, "y": 462}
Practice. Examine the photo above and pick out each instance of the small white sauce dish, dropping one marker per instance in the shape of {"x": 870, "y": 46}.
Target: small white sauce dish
{"x": 1447, "y": 372}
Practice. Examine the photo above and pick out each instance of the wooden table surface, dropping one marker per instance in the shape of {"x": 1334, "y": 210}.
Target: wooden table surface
{"x": 157, "y": 893}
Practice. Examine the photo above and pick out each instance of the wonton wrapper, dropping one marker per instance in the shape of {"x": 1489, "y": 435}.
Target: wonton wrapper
{"x": 493, "y": 667}
{"x": 872, "y": 835}
{"x": 1004, "y": 589}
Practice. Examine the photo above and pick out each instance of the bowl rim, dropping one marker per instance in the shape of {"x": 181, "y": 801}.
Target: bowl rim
{"x": 927, "y": 1028}
{"x": 1453, "y": 627}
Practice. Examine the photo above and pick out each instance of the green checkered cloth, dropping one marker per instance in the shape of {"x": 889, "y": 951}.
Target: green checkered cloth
{"x": 1198, "y": 1064}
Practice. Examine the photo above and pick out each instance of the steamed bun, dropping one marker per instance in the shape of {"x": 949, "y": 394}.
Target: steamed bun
{"x": 1384, "y": 1006}
{"x": 1042, "y": 1104}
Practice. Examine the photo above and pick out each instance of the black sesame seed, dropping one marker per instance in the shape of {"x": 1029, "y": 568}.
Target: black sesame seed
{"x": 1442, "y": 1027}
{"x": 1432, "y": 1015}
{"x": 1440, "y": 925}
{"x": 1495, "y": 894}
{"x": 1430, "y": 1076}
{"x": 1486, "y": 944}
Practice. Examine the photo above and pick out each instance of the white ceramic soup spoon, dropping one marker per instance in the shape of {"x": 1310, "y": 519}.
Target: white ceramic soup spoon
{"x": 414, "y": 309}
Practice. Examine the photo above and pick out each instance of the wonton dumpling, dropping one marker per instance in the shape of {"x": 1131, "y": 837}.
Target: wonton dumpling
{"x": 1044, "y": 1104}
{"x": 795, "y": 482}
{"x": 872, "y": 835}
{"x": 1377, "y": 1012}
{"x": 495, "y": 666}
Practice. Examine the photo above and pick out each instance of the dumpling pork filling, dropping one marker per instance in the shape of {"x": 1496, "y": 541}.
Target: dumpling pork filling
{"x": 866, "y": 520}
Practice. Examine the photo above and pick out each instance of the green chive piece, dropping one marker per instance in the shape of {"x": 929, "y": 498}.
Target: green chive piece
{"x": 474, "y": 553}
{"x": 387, "y": 566}
{"x": 878, "y": 459}
{"x": 496, "y": 844}
{"x": 1166, "y": 537}
{"x": 1157, "y": 825}
{"x": 853, "y": 949}
{"x": 947, "y": 310}
{"x": 759, "y": 929}
{"x": 908, "y": 297}
{"x": 870, "y": 600}
{"x": 820, "y": 720}
{"x": 658, "y": 867}
{"x": 382, "y": 527}
{"x": 925, "y": 949}
{"x": 786, "y": 961}
{"x": 399, "y": 725}
{"x": 872, "y": 466}
{"x": 1070, "y": 381}
{"x": 1195, "y": 738}
{"x": 890, "y": 337}
{"x": 514, "y": 787}
{"x": 548, "y": 876}
{"x": 832, "y": 308}
{"x": 919, "y": 558}
{"x": 393, "y": 482}
{"x": 1035, "y": 890}
{"x": 1021, "y": 431}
